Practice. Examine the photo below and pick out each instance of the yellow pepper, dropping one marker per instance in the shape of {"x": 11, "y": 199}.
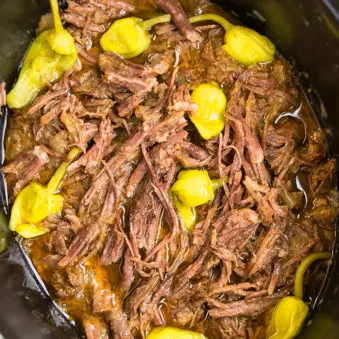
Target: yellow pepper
{"x": 209, "y": 119}
{"x": 36, "y": 202}
{"x": 168, "y": 332}
{"x": 192, "y": 188}
{"x": 305, "y": 264}
{"x": 288, "y": 318}
{"x": 243, "y": 44}
{"x": 129, "y": 37}
{"x": 51, "y": 54}
{"x": 247, "y": 46}
{"x": 187, "y": 214}
{"x": 291, "y": 312}
{"x": 60, "y": 40}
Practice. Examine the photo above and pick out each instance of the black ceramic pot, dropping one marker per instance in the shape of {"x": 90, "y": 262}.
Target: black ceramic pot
{"x": 306, "y": 33}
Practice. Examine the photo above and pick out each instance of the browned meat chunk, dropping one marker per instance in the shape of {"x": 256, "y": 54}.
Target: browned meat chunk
{"x": 91, "y": 160}
{"x": 251, "y": 307}
{"x": 25, "y": 167}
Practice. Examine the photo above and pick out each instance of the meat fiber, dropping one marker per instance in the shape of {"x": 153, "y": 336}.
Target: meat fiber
{"x": 125, "y": 74}
{"x": 179, "y": 16}
{"x": 81, "y": 132}
{"x": 25, "y": 167}
{"x": 252, "y": 307}
{"x": 90, "y": 18}
{"x": 93, "y": 157}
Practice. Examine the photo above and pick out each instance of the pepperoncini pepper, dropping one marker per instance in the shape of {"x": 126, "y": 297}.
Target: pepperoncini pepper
{"x": 187, "y": 214}
{"x": 247, "y": 46}
{"x": 191, "y": 189}
{"x": 51, "y": 54}
{"x": 129, "y": 37}
{"x": 209, "y": 119}
{"x": 243, "y": 44}
{"x": 36, "y": 202}
{"x": 168, "y": 332}
{"x": 291, "y": 312}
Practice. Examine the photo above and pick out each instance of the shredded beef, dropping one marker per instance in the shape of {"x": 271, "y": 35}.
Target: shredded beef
{"x": 95, "y": 328}
{"x": 252, "y": 307}
{"x": 322, "y": 176}
{"x": 125, "y": 74}
{"x": 80, "y": 132}
{"x": 118, "y": 256}
{"x": 227, "y": 328}
{"x": 45, "y": 99}
{"x": 118, "y": 321}
{"x": 25, "y": 167}
{"x": 89, "y": 82}
{"x": 95, "y": 154}
{"x": 90, "y": 18}
{"x": 179, "y": 16}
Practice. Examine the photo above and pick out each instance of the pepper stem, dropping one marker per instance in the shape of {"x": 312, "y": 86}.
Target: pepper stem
{"x": 154, "y": 21}
{"x": 305, "y": 264}
{"x": 216, "y": 183}
{"x": 57, "y": 177}
{"x": 212, "y": 17}
{"x": 203, "y": 17}
{"x": 56, "y": 16}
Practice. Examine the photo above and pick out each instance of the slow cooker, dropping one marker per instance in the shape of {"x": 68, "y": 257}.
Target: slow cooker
{"x": 307, "y": 35}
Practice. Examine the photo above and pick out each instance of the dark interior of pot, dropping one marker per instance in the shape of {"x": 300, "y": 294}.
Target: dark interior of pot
{"x": 306, "y": 33}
